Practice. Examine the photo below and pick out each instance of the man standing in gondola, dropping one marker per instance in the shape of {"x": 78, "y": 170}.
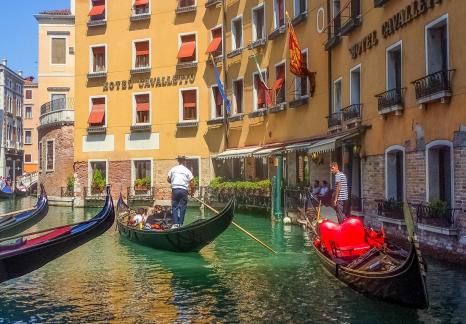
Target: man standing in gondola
{"x": 340, "y": 196}
{"x": 180, "y": 178}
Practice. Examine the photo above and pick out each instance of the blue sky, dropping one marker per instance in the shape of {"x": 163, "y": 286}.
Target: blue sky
{"x": 19, "y": 32}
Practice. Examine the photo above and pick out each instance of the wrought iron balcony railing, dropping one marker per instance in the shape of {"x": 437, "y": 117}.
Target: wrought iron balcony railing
{"x": 97, "y": 21}
{"x": 185, "y": 6}
{"x": 210, "y": 3}
{"x": 94, "y": 193}
{"x": 140, "y": 13}
{"x": 379, "y": 3}
{"x": 66, "y": 192}
{"x": 391, "y": 100}
{"x": 390, "y": 208}
{"x": 334, "y": 120}
{"x": 141, "y": 193}
{"x": 441, "y": 217}
{"x": 352, "y": 15}
{"x": 433, "y": 86}
{"x": 352, "y": 112}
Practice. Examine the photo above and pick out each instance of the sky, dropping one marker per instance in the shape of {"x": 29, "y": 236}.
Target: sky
{"x": 18, "y": 29}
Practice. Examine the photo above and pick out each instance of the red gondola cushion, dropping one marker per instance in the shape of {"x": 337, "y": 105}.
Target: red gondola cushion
{"x": 54, "y": 234}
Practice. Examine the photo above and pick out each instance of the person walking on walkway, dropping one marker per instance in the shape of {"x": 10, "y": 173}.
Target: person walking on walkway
{"x": 180, "y": 178}
{"x": 340, "y": 196}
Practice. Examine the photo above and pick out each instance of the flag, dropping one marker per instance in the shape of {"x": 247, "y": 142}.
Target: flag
{"x": 221, "y": 89}
{"x": 297, "y": 65}
{"x": 263, "y": 85}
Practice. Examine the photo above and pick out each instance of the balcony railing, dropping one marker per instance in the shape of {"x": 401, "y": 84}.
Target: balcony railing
{"x": 97, "y": 21}
{"x": 66, "y": 192}
{"x": 259, "y": 198}
{"x": 210, "y": 3}
{"x": 352, "y": 13}
{"x": 141, "y": 193}
{"x": 57, "y": 111}
{"x": 94, "y": 193}
{"x": 140, "y": 13}
{"x": 391, "y": 100}
{"x": 352, "y": 112}
{"x": 443, "y": 217}
{"x": 185, "y": 7}
{"x": 433, "y": 86}
{"x": 277, "y": 32}
{"x": 334, "y": 120}
{"x": 390, "y": 208}
{"x": 379, "y": 3}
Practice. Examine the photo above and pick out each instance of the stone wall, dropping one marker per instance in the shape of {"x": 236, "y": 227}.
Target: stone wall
{"x": 63, "y": 154}
{"x": 373, "y": 186}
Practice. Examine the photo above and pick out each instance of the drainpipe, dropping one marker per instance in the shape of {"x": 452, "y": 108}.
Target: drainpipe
{"x": 329, "y": 62}
{"x": 225, "y": 80}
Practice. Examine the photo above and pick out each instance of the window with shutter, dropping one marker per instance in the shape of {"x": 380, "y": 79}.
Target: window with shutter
{"x": 58, "y": 50}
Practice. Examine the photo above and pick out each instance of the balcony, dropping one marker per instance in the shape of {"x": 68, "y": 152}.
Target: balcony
{"x": 334, "y": 122}
{"x": 257, "y": 43}
{"x": 140, "y": 13}
{"x": 277, "y": 32}
{"x": 93, "y": 193}
{"x": 140, "y": 70}
{"x": 334, "y": 36}
{"x": 184, "y": 9}
{"x": 434, "y": 87}
{"x": 97, "y": 74}
{"x": 391, "y": 101}
{"x": 442, "y": 220}
{"x": 278, "y": 107}
{"x": 141, "y": 193}
{"x": 298, "y": 102}
{"x": 187, "y": 124}
{"x": 380, "y": 3}
{"x": 353, "y": 17}
{"x": 186, "y": 65}
{"x": 211, "y": 3}
{"x": 97, "y": 129}
{"x": 97, "y": 21}
{"x": 258, "y": 113}
{"x": 352, "y": 115}
{"x": 141, "y": 128}
{"x": 299, "y": 18}
{"x": 237, "y": 117}
{"x": 57, "y": 112}
{"x": 215, "y": 121}
{"x": 235, "y": 52}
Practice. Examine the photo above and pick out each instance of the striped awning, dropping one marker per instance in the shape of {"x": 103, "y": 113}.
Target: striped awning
{"x": 302, "y": 146}
{"x": 329, "y": 144}
{"x": 238, "y": 153}
{"x": 266, "y": 151}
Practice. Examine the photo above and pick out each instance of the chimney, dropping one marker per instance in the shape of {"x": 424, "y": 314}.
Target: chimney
{"x": 4, "y": 61}
{"x": 20, "y": 73}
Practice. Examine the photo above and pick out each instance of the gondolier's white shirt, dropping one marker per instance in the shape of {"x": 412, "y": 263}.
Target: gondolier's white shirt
{"x": 180, "y": 177}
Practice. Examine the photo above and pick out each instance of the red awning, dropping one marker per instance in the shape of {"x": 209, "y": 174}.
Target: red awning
{"x": 278, "y": 84}
{"x": 142, "y": 48}
{"x": 214, "y": 44}
{"x": 97, "y": 10}
{"x": 189, "y": 99}
{"x": 142, "y": 103}
{"x": 141, "y": 3}
{"x": 96, "y": 116}
{"x": 187, "y": 50}
{"x": 98, "y": 50}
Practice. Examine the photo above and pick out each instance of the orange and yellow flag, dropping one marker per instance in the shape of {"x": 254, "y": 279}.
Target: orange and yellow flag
{"x": 297, "y": 65}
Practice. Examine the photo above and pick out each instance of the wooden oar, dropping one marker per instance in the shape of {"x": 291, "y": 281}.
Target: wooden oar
{"x": 239, "y": 227}
{"x": 17, "y": 212}
{"x": 44, "y": 231}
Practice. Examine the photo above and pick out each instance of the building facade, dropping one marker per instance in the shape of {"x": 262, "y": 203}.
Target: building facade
{"x": 11, "y": 103}
{"x": 31, "y": 114}
{"x": 56, "y": 79}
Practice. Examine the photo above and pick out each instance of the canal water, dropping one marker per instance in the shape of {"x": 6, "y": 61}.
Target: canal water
{"x": 231, "y": 280}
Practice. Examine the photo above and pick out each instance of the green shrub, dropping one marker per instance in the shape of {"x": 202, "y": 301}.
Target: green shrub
{"x": 142, "y": 182}
{"x": 98, "y": 181}
{"x": 437, "y": 207}
{"x": 70, "y": 183}
{"x": 218, "y": 184}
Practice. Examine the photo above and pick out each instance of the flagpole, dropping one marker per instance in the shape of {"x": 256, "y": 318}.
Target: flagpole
{"x": 225, "y": 81}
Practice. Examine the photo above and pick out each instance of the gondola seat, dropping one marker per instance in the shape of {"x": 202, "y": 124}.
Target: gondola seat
{"x": 347, "y": 239}
{"x": 47, "y": 237}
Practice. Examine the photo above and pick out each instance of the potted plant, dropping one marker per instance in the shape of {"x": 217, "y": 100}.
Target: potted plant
{"x": 437, "y": 208}
{"x": 142, "y": 184}
{"x": 70, "y": 185}
{"x": 98, "y": 182}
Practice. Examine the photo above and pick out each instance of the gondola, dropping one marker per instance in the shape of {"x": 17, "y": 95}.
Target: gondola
{"x": 16, "y": 223}
{"x": 6, "y": 192}
{"x": 21, "y": 192}
{"x": 188, "y": 238}
{"x": 26, "y": 255}
{"x": 359, "y": 257}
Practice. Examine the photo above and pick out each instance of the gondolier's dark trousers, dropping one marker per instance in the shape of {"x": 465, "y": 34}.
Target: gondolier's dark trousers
{"x": 179, "y": 202}
{"x": 340, "y": 210}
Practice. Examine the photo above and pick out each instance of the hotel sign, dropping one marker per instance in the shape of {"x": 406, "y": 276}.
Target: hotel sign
{"x": 163, "y": 81}
{"x": 362, "y": 46}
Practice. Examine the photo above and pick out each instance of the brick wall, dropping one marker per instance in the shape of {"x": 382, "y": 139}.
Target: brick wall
{"x": 63, "y": 154}
{"x": 415, "y": 176}
{"x": 373, "y": 186}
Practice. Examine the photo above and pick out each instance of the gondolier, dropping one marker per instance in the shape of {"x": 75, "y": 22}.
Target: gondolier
{"x": 340, "y": 196}
{"x": 180, "y": 178}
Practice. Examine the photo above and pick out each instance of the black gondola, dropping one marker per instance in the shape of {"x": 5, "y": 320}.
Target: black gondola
{"x": 365, "y": 262}
{"x": 188, "y": 238}
{"x": 6, "y": 192}
{"x": 25, "y": 256}
{"x": 21, "y": 221}
{"x": 21, "y": 192}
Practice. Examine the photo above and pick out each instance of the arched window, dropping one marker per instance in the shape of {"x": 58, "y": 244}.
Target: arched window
{"x": 439, "y": 171}
{"x": 395, "y": 173}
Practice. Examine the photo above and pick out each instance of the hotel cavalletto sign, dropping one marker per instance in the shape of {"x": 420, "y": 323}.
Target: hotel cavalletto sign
{"x": 400, "y": 19}
{"x": 159, "y": 81}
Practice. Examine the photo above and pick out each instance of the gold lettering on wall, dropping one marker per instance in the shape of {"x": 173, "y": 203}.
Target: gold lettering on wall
{"x": 155, "y": 82}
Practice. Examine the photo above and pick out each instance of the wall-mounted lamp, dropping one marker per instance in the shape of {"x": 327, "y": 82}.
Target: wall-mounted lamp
{"x": 356, "y": 149}
{"x": 314, "y": 157}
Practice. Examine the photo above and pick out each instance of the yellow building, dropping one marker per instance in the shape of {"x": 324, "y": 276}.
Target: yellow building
{"x": 30, "y": 122}
{"x": 56, "y": 91}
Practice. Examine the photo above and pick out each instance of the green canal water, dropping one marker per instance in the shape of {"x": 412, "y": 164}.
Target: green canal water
{"x": 232, "y": 280}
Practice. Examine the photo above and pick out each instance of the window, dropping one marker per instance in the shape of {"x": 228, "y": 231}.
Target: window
{"x": 394, "y": 173}
{"x": 186, "y": 3}
{"x": 142, "y": 54}
{"x": 27, "y": 136}
{"x": 57, "y": 101}
{"x": 193, "y": 165}
{"x": 27, "y": 158}
{"x": 336, "y": 16}
{"x": 216, "y": 102}
{"x": 355, "y": 85}
{"x": 299, "y": 7}
{"x": 302, "y": 83}
{"x": 393, "y": 58}
{"x": 216, "y": 45}
{"x": 258, "y": 23}
{"x": 98, "y": 59}
{"x": 97, "y": 11}
{"x": 437, "y": 45}
{"x": 58, "y": 50}
{"x": 187, "y": 50}
{"x": 261, "y": 168}
{"x": 141, "y": 7}
{"x": 279, "y": 13}
{"x": 142, "y": 169}
{"x": 439, "y": 176}
{"x": 237, "y": 33}
{"x": 28, "y": 112}
{"x": 97, "y": 113}
{"x": 97, "y": 165}
{"x": 40, "y": 157}
{"x": 337, "y": 96}
{"x": 142, "y": 104}
{"x": 238, "y": 96}
{"x": 260, "y": 92}
{"x": 188, "y": 104}
{"x": 28, "y": 94}
{"x": 50, "y": 159}
{"x": 279, "y": 84}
